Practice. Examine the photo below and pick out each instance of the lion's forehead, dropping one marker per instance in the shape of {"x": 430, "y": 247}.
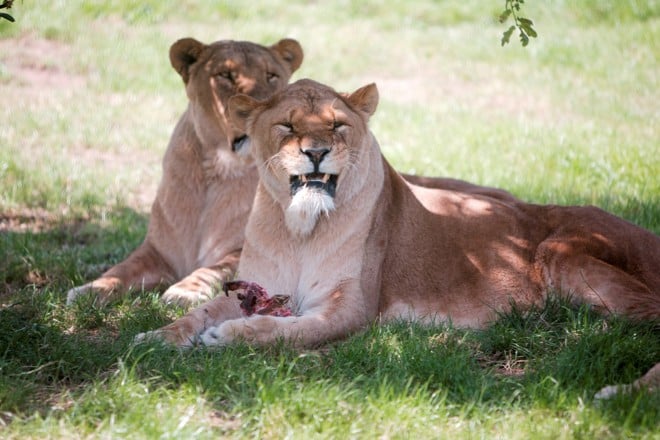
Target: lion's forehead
{"x": 320, "y": 116}
{"x": 235, "y": 55}
{"x": 308, "y": 112}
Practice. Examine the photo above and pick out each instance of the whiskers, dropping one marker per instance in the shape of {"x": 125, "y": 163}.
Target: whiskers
{"x": 273, "y": 163}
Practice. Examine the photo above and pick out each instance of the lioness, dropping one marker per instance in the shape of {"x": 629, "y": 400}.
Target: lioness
{"x": 198, "y": 218}
{"x": 197, "y": 221}
{"x": 341, "y": 233}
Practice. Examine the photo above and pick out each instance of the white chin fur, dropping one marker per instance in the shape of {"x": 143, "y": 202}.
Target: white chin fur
{"x": 305, "y": 208}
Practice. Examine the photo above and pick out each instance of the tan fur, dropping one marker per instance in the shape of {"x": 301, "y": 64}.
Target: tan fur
{"x": 197, "y": 221}
{"x": 391, "y": 250}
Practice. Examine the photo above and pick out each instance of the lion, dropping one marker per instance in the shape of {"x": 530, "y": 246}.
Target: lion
{"x": 340, "y": 233}
{"x": 197, "y": 220}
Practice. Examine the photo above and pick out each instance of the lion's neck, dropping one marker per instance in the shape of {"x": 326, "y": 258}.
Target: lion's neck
{"x": 222, "y": 165}
{"x": 212, "y": 153}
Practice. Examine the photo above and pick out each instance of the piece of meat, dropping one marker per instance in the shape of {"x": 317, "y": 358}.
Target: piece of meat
{"x": 255, "y": 299}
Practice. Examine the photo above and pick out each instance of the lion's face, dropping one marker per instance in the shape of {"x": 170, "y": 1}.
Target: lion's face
{"x": 307, "y": 141}
{"x": 213, "y": 73}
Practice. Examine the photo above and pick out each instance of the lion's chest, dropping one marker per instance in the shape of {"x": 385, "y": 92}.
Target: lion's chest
{"x": 308, "y": 271}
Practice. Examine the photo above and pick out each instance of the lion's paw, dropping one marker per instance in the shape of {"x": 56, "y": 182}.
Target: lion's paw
{"x": 184, "y": 297}
{"x": 77, "y": 292}
{"x": 100, "y": 291}
{"x": 213, "y": 337}
{"x": 164, "y": 337}
{"x": 150, "y": 336}
{"x": 609, "y": 391}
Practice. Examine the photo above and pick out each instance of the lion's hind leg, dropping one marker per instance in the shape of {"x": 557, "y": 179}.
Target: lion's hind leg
{"x": 589, "y": 280}
{"x": 143, "y": 269}
{"x": 611, "y": 290}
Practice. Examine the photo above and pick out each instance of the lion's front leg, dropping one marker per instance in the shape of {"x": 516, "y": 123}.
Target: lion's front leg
{"x": 339, "y": 318}
{"x": 186, "y": 330}
{"x": 301, "y": 331}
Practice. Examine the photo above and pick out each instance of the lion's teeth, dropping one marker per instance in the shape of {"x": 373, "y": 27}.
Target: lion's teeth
{"x": 303, "y": 178}
{"x": 326, "y": 177}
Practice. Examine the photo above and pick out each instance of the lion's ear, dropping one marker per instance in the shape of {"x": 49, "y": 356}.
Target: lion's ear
{"x": 183, "y": 54}
{"x": 240, "y": 109}
{"x": 364, "y": 99}
{"x": 290, "y": 51}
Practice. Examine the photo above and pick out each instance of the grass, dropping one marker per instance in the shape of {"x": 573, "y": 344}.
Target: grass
{"x": 397, "y": 381}
{"x": 90, "y": 102}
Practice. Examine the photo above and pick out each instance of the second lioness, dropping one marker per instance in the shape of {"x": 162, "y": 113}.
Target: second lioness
{"x": 198, "y": 219}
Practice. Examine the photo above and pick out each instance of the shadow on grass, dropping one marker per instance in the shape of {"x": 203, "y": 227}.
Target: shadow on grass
{"x": 551, "y": 358}
{"x": 41, "y": 250}
{"x": 45, "y": 347}
{"x": 569, "y": 353}
{"x": 52, "y": 354}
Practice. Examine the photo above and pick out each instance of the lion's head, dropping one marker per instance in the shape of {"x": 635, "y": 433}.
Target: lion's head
{"x": 307, "y": 141}
{"x": 214, "y": 72}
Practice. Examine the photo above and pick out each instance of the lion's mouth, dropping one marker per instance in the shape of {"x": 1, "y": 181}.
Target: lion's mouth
{"x": 321, "y": 181}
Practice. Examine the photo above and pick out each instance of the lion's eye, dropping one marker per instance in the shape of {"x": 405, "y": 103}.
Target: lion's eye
{"x": 272, "y": 76}
{"x": 336, "y": 125}
{"x": 285, "y": 126}
{"x": 225, "y": 75}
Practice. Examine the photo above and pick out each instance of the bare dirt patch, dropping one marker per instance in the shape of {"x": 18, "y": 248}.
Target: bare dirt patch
{"x": 504, "y": 364}
{"x": 477, "y": 87}
{"x": 27, "y": 220}
{"x": 143, "y": 167}
{"x": 38, "y": 220}
{"x": 37, "y": 64}
{"x": 486, "y": 96}
{"x": 36, "y": 72}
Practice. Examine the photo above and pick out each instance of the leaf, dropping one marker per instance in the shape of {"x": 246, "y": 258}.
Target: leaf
{"x": 506, "y": 36}
{"x": 526, "y": 25}
{"x": 7, "y": 17}
{"x": 505, "y": 15}
{"x": 531, "y": 32}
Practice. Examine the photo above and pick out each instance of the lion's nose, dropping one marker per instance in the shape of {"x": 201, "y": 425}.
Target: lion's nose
{"x": 316, "y": 155}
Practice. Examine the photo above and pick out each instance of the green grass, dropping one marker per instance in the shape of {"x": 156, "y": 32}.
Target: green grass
{"x": 90, "y": 101}
{"x": 397, "y": 380}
